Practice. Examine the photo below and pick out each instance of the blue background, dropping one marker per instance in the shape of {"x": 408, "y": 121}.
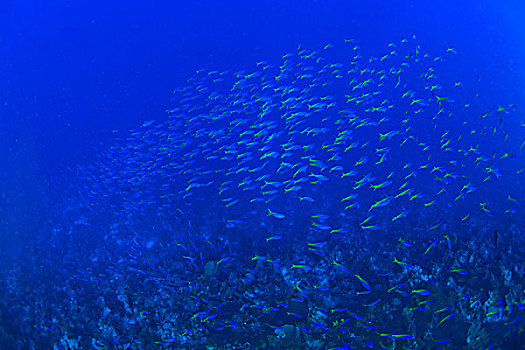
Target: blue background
{"x": 77, "y": 74}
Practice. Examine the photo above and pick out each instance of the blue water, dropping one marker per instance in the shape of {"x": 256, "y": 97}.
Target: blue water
{"x": 296, "y": 175}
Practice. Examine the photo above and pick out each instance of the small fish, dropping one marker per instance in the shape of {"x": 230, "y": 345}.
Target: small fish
{"x": 449, "y": 243}
{"x": 401, "y": 215}
{"x": 432, "y": 245}
{"x": 396, "y": 287}
{"x": 422, "y": 292}
{"x": 381, "y": 203}
{"x": 446, "y": 318}
{"x": 364, "y": 283}
{"x": 275, "y": 214}
{"x": 301, "y": 267}
{"x": 404, "y": 265}
{"x": 374, "y": 303}
{"x": 340, "y": 266}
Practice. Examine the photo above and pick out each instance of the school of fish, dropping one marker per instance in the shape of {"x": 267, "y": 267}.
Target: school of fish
{"x": 326, "y": 201}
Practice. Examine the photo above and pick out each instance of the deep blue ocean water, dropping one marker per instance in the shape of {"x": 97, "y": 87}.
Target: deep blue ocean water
{"x": 286, "y": 175}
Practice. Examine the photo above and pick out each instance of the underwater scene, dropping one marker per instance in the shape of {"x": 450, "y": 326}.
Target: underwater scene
{"x": 350, "y": 191}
